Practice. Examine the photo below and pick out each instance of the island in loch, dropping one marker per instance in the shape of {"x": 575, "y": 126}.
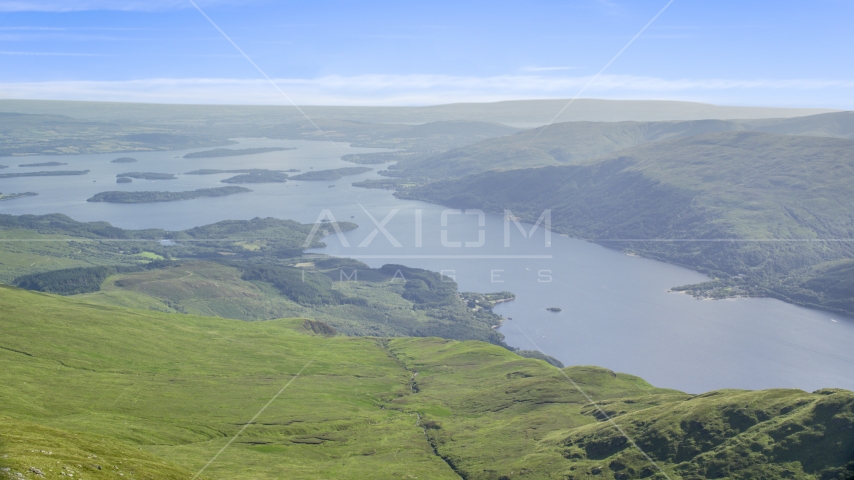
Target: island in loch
{"x": 152, "y": 197}
{"x": 42, "y": 164}
{"x": 247, "y": 175}
{"x": 12, "y": 196}
{"x": 147, "y": 176}
{"x": 57, "y": 173}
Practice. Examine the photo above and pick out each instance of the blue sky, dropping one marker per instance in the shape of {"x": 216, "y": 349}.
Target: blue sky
{"x": 781, "y": 53}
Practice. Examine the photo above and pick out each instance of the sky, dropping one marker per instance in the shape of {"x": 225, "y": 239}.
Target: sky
{"x": 771, "y": 53}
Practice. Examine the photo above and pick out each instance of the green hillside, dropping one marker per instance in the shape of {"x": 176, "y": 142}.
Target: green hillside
{"x": 158, "y": 395}
{"x": 778, "y": 196}
{"x": 37, "y": 451}
{"x": 371, "y": 302}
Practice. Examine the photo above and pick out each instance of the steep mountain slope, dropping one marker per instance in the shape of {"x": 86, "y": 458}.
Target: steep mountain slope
{"x": 732, "y": 203}
{"x": 180, "y": 387}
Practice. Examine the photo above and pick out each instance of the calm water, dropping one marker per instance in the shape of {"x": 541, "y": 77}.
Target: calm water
{"x": 616, "y": 311}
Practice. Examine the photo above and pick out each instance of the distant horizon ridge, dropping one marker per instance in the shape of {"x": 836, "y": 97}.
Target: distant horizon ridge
{"x": 496, "y": 102}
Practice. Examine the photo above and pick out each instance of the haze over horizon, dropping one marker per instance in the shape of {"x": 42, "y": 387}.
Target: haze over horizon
{"x": 726, "y": 53}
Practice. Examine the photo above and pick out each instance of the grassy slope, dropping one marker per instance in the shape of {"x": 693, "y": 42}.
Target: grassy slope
{"x": 179, "y": 386}
{"x": 27, "y": 446}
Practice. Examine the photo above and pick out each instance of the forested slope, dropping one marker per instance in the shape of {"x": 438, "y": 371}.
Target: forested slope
{"x": 763, "y": 210}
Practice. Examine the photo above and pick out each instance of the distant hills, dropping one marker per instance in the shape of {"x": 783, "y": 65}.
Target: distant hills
{"x": 49, "y": 134}
{"x": 520, "y": 113}
{"x": 573, "y": 142}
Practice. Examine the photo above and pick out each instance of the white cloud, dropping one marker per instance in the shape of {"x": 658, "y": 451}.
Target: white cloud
{"x": 414, "y": 89}
{"x": 547, "y": 69}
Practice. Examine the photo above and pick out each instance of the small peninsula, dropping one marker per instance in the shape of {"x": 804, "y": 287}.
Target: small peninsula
{"x": 57, "y": 173}
{"x": 147, "y": 176}
{"x": 333, "y": 174}
{"x": 43, "y": 164}
{"x": 124, "y": 180}
{"x": 230, "y": 152}
{"x": 152, "y": 197}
